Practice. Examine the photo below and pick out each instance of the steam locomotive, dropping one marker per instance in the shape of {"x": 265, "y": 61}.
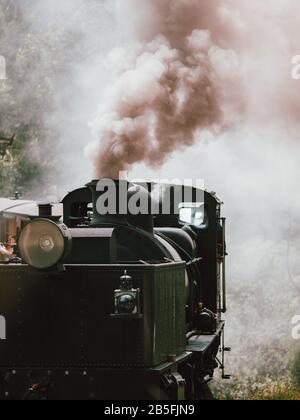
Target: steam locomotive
{"x": 115, "y": 306}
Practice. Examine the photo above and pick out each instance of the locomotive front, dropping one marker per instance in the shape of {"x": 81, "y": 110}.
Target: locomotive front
{"x": 113, "y": 306}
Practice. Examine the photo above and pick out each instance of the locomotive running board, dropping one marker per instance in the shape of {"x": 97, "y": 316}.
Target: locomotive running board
{"x": 177, "y": 361}
{"x": 202, "y": 343}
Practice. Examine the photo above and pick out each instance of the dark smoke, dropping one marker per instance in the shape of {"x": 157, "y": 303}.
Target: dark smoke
{"x": 170, "y": 85}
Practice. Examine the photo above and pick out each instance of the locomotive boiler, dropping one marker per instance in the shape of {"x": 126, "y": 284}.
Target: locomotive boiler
{"x": 114, "y": 305}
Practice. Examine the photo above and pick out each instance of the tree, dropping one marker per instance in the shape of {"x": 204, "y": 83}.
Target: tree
{"x": 39, "y": 53}
{"x": 296, "y": 370}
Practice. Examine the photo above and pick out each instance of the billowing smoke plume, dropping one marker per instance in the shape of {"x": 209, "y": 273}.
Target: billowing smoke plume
{"x": 168, "y": 86}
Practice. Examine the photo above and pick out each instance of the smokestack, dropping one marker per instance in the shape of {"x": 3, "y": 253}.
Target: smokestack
{"x": 45, "y": 210}
{"x": 118, "y": 194}
{"x": 115, "y": 197}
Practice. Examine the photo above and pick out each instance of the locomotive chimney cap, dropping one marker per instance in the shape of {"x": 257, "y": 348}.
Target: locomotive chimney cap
{"x": 45, "y": 209}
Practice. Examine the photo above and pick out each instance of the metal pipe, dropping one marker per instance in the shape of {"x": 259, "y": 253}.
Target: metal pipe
{"x": 224, "y": 299}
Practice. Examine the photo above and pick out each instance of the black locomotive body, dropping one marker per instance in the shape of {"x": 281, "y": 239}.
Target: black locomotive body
{"x": 114, "y": 306}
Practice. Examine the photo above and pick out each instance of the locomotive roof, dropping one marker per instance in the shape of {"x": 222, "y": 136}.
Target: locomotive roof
{"x": 25, "y": 208}
{"x": 7, "y": 204}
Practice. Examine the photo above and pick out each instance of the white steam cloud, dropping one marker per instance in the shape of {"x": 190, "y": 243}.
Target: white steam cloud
{"x": 168, "y": 86}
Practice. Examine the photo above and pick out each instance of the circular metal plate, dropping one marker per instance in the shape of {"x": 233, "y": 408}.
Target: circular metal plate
{"x": 42, "y": 244}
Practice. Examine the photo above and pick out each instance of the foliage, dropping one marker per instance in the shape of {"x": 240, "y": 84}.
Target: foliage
{"x": 275, "y": 378}
{"x": 277, "y": 391}
{"x": 296, "y": 370}
{"x": 19, "y": 170}
{"x": 21, "y": 105}
{"x": 261, "y": 388}
{"x": 40, "y": 50}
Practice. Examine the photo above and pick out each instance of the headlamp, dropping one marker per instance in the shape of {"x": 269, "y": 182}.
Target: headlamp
{"x": 126, "y": 303}
{"x": 44, "y": 243}
{"x": 127, "y": 299}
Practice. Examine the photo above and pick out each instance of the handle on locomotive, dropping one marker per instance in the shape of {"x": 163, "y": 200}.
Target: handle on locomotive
{"x": 224, "y": 254}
